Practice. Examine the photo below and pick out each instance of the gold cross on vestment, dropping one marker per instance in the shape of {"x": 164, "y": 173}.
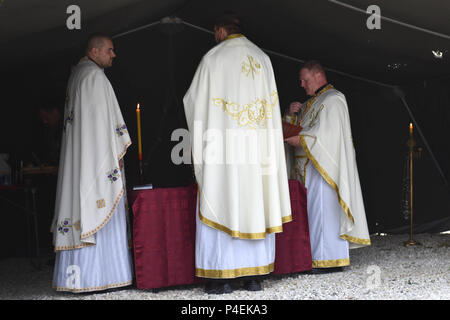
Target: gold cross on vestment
{"x": 252, "y": 67}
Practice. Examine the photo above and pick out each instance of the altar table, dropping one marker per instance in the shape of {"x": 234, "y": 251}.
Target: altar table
{"x": 164, "y": 236}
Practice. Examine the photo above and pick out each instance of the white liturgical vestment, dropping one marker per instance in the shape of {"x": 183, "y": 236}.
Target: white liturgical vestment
{"x": 90, "y": 183}
{"x": 233, "y": 116}
{"x": 327, "y": 145}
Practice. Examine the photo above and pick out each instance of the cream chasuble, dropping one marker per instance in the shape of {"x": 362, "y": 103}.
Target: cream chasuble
{"x": 327, "y": 143}
{"x": 90, "y": 182}
{"x": 233, "y": 116}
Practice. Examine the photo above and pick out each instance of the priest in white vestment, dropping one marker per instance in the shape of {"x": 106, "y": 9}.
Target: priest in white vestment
{"x": 325, "y": 162}
{"x": 234, "y": 119}
{"x": 90, "y": 222}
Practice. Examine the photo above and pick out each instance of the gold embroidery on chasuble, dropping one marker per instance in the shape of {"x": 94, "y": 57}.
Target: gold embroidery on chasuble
{"x": 251, "y": 67}
{"x": 253, "y": 114}
{"x": 313, "y": 116}
{"x": 300, "y": 167}
{"x": 76, "y": 225}
{"x": 101, "y": 203}
{"x": 311, "y": 101}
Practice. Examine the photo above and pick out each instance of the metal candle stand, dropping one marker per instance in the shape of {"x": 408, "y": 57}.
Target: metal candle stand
{"x": 141, "y": 172}
{"x": 412, "y": 153}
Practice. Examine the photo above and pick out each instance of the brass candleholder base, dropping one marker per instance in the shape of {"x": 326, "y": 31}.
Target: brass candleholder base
{"x": 411, "y": 242}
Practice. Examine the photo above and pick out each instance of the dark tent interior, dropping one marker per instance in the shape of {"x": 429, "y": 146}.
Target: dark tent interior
{"x": 392, "y": 76}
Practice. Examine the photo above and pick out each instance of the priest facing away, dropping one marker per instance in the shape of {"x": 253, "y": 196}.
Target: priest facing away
{"x": 325, "y": 162}
{"x": 90, "y": 222}
{"x": 234, "y": 119}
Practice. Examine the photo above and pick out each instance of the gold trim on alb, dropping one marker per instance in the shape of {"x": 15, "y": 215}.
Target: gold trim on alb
{"x": 243, "y": 235}
{"x": 234, "y": 273}
{"x": 331, "y": 263}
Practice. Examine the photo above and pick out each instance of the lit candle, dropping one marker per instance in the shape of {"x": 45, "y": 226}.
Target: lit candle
{"x": 410, "y": 129}
{"x": 138, "y": 115}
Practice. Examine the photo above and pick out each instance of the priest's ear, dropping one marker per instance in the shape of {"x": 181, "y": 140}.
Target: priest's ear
{"x": 319, "y": 76}
{"x": 93, "y": 52}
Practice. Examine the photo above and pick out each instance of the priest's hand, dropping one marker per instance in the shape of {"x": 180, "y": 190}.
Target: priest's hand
{"x": 293, "y": 141}
{"x": 294, "y": 107}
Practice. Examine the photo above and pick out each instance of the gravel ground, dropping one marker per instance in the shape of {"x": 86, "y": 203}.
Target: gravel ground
{"x": 384, "y": 271}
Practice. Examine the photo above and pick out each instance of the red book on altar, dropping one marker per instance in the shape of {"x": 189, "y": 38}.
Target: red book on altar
{"x": 290, "y": 130}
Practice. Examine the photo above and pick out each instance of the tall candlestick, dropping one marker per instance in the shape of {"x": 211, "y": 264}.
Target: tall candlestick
{"x": 411, "y": 144}
{"x": 138, "y": 115}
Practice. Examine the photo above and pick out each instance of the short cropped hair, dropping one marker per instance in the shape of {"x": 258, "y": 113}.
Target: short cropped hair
{"x": 96, "y": 40}
{"x": 230, "y": 21}
{"x": 314, "y": 66}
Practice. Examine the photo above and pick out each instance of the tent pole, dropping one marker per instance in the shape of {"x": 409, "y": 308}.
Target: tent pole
{"x": 136, "y": 29}
{"x": 196, "y": 27}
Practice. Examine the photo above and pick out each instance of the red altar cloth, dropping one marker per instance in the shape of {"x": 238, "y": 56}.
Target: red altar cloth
{"x": 164, "y": 236}
{"x": 292, "y": 246}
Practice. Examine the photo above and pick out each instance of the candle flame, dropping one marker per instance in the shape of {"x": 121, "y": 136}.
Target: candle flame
{"x": 410, "y": 125}
{"x": 138, "y": 105}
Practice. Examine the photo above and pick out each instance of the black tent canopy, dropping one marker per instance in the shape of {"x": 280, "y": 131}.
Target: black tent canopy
{"x": 391, "y": 76}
